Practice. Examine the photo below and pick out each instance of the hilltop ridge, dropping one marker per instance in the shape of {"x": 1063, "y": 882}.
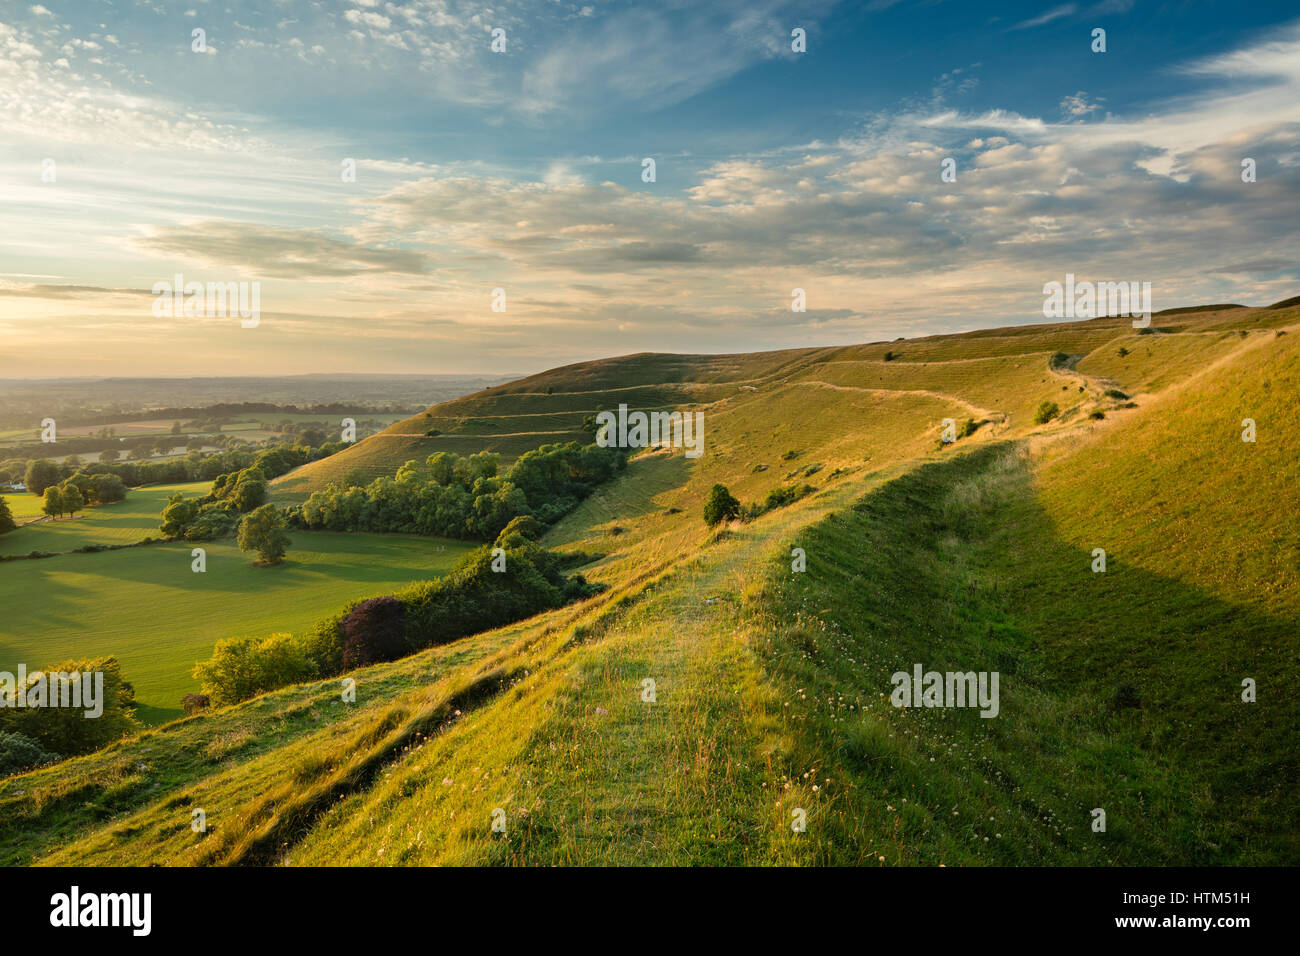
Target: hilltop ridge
{"x": 769, "y": 685}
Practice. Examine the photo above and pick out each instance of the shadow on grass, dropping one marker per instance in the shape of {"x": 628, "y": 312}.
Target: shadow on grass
{"x": 1119, "y": 689}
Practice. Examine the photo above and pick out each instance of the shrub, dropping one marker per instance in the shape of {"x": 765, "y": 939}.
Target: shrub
{"x": 721, "y": 506}
{"x": 525, "y": 525}
{"x": 193, "y": 703}
{"x": 243, "y": 667}
{"x": 1046, "y": 412}
{"x": 890, "y": 356}
{"x": 1097, "y": 415}
{"x": 968, "y": 427}
{"x": 19, "y": 753}
{"x": 213, "y": 522}
{"x": 373, "y": 632}
{"x": 1116, "y": 394}
{"x": 66, "y": 730}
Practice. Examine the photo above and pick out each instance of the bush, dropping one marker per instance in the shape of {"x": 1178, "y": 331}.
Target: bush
{"x": 193, "y": 703}
{"x": 243, "y": 667}
{"x": 721, "y": 506}
{"x": 1116, "y": 394}
{"x": 19, "y": 753}
{"x": 213, "y": 522}
{"x": 1097, "y": 415}
{"x": 67, "y": 730}
{"x": 373, "y": 632}
{"x": 1046, "y": 412}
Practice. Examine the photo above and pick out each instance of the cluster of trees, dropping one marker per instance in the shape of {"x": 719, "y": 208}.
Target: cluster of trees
{"x": 474, "y": 596}
{"x": 195, "y": 466}
{"x": 80, "y": 490}
{"x": 722, "y": 505}
{"x": 34, "y": 736}
{"x": 454, "y": 496}
{"x": 7, "y": 522}
{"x": 216, "y": 514}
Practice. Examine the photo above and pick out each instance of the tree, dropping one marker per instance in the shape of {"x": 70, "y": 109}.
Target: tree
{"x": 1046, "y": 412}
{"x": 374, "y": 631}
{"x": 178, "y": 515}
{"x": 176, "y": 428}
{"x": 109, "y": 454}
{"x": 73, "y": 499}
{"x": 263, "y": 531}
{"x": 721, "y": 506}
{"x": 41, "y": 474}
{"x": 107, "y": 488}
{"x": 66, "y": 730}
{"x": 249, "y": 492}
{"x": 7, "y": 522}
{"x": 53, "y": 503}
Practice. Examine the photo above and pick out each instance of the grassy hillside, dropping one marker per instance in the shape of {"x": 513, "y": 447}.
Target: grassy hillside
{"x": 1119, "y": 690}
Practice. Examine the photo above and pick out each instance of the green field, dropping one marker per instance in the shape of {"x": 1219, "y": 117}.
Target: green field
{"x": 123, "y": 522}
{"x": 1120, "y": 689}
{"x": 159, "y": 618}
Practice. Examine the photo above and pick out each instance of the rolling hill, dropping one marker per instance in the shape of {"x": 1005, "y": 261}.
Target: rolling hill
{"x": 769, "y": 695}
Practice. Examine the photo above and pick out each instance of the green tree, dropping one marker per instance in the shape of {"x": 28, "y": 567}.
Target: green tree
{"x": 721, "y": 506}
{"x": 243, "y": 667}
{"x": 109, "y": 454}
{"x": 178, "y": 514}
{"x": 107, "y": 488}
{"x": 53, "y": 503}
{"x": 263, "y": 531}
{"x": 1046, "y": 412}
{"x": 7, "y": 522}
{"x": 41, "y": 474}
{"x": 73, "y": 499}
{"x": 66, "y": 730}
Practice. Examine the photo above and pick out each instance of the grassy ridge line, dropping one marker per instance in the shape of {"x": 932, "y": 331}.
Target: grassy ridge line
{"x": 217, "y": 760}
{"x": 586, "y": 771}
{"x": 268, "y": 735}
{"x": 265, "y": 830}
{"x": 924, "y": 565}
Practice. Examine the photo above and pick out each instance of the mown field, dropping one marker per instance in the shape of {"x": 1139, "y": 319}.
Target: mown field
{"x": 123, "y": 522}
{"x": 158, "y": 617}
{"x": 1120, "y": 690}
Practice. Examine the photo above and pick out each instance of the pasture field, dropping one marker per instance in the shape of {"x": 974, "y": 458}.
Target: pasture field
{"x": 146, "y": 606}
{"x": 124, "y": 522}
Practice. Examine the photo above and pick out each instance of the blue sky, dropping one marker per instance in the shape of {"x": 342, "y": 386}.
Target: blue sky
{"x": 521, "y": 170}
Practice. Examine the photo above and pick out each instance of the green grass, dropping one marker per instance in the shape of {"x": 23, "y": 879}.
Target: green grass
{"x": 772, "y": 686}
{"x": 146, "y": 606}
{"x": 23, "y": 506}
{"x": 124, "y": 522}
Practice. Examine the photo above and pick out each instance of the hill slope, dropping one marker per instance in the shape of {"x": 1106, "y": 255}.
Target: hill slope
{"x": 1119, "y": 690}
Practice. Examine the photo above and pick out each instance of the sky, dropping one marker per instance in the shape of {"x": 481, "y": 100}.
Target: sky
{"x": 503, "y": 147}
